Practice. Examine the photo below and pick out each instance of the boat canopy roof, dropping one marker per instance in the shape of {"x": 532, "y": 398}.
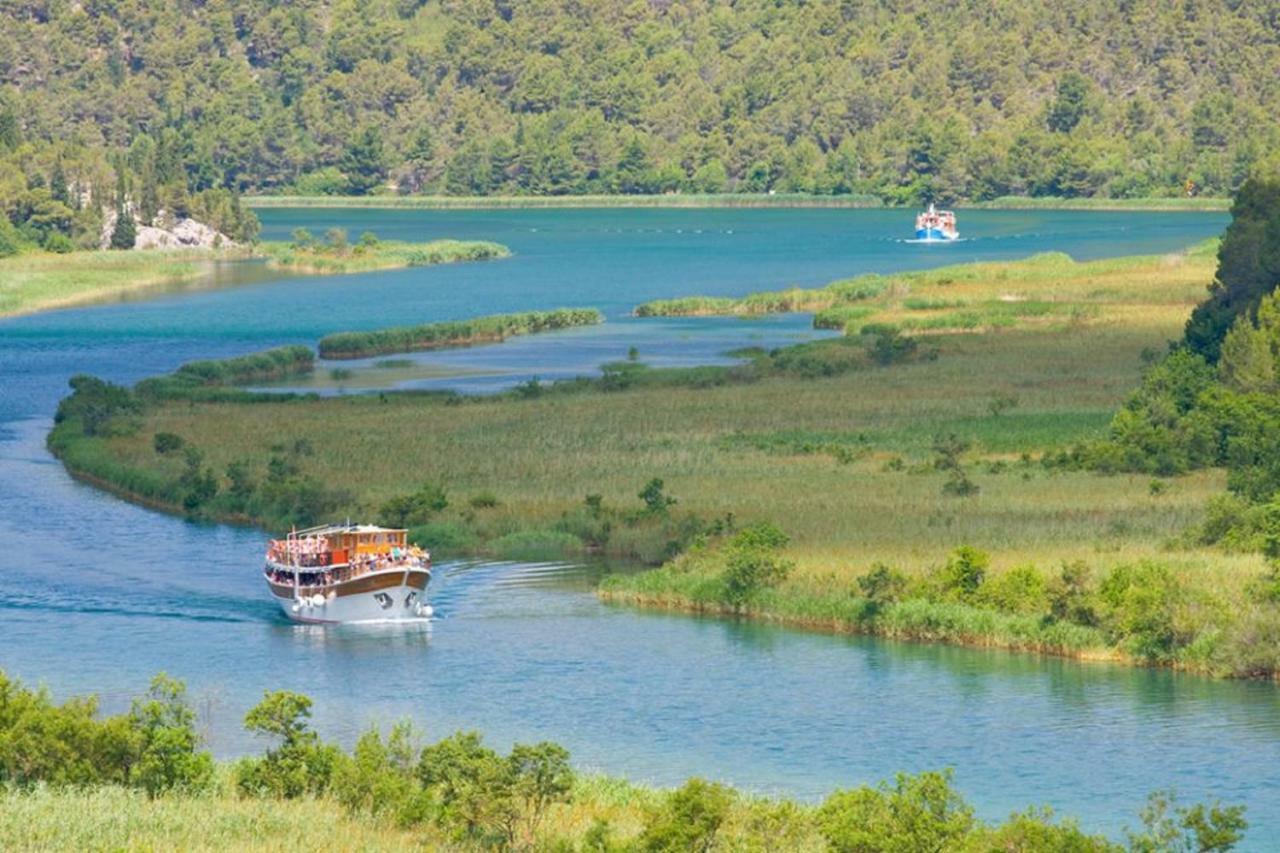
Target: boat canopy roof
{"x": 334, "y": 529}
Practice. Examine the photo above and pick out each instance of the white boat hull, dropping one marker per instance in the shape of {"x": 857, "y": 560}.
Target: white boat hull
{"x": 394, "y": 595}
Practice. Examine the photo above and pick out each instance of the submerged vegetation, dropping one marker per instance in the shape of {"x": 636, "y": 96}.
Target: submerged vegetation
{"x": 141, "y": 780}
{"x": 489, "y": 329}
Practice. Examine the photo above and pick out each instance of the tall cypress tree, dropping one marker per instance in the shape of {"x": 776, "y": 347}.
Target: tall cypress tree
{"x": 125, "y": 234}
{"x": 1248, "y": 265}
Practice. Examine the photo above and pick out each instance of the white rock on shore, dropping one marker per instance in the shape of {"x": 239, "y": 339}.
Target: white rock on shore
{"x": 183, "y": 234}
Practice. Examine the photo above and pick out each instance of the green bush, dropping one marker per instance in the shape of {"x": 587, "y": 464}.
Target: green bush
{"x": 1140, "y": 607}
{"x": 164, "y": 724}
{"x": 882, "y": 585}
{"x": 1021, "y": 590}
{"x": 378, "y": 778}
{"x": 167, "y": 442}
{"x": 447, "y": 537}
{"x": 962, "y": 576}
{"x": 917, "y": 813}
{"x": 688, "y": 820}
{"x": 413, "y": 510}
{"x": 299, "y": 764}
{"x": 752, "y": 563}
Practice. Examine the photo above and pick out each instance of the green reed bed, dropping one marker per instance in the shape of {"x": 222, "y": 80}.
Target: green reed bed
{"x": 376, "y": 255}
{"x": 993, "y": 294}
{"x": 428, "y": 336}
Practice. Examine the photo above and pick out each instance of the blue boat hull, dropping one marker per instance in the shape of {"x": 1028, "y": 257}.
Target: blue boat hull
{"x": 931, "y": 234}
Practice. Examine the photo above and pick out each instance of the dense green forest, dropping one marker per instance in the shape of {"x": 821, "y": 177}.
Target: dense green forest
{"x": 902, "y": 101}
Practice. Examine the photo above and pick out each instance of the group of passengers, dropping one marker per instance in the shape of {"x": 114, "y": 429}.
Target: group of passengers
{"x": 314, "y": 552}
{"x": 309, "y": 551}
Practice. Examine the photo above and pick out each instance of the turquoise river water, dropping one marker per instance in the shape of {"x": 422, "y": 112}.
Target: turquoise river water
{"x": 96, "y": 595}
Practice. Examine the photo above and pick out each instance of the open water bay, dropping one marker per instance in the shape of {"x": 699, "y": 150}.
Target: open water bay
{"x": 96, "y": 595}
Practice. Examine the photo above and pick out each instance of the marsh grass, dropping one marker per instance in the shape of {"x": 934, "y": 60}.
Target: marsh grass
{"x": 428, "y": 336}
{"x": 376, "y": 256}
{"x": 843, "y": 462}
{"x": 1044, "y": 290}
{"x": 42, "y": 280}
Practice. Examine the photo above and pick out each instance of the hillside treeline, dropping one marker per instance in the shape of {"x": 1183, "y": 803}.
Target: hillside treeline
{"x": 899, "y": 100}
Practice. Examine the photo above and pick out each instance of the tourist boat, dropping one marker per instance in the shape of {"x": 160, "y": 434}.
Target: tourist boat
{"x": 936, "y": 224}
{"x": 348, "y": 573}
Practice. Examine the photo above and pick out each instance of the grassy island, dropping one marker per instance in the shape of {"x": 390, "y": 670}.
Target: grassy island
{"x": 890, "y": 447}
{"x": 75, "y": 780}
{"x": 489, "y": 329}
{"x": 372, "y": 254}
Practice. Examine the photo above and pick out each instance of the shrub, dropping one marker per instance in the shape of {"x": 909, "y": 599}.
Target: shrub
{"x": 963, "y": 574}
{"x": 752, "y": 564}
{"x": 889, "y": 346}
{"x": 378, "y": 777}
{"x": 882, "y": 585}
{"x": 299, "y": 764}
{"x": 1140, "y": 607}
{"x": 1071, "y": 597}
{"x": 444, "y": 536}
{"x": 918, "y": 813}
{"x": 165, "y": 726}
{"x": 688, "y": 820}
{"x": 415, "y": 509}
{"x": 656, "y": 501}
{"x": 1020, "y": 590}
{"x": 1167, "y": 826}
{"x": 167, "y": 442}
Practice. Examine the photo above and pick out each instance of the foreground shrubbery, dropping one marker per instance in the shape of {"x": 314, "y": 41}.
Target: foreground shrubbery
{"x": 457, "y": 333}
{"x": 459, "y": 793}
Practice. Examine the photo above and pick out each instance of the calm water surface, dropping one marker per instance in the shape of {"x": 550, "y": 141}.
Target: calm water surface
{"x": 98, "y": 595}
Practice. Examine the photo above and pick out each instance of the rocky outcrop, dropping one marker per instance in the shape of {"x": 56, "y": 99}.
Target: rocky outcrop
{"x": 182, "y": 234}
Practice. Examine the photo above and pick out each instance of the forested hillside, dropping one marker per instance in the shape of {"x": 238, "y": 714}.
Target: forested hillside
{"x": 902, "y": 100}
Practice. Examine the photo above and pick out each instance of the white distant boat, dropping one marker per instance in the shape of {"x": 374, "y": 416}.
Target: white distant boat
{"x": 936, "y": 224}
{"x": 349, "y": 573}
